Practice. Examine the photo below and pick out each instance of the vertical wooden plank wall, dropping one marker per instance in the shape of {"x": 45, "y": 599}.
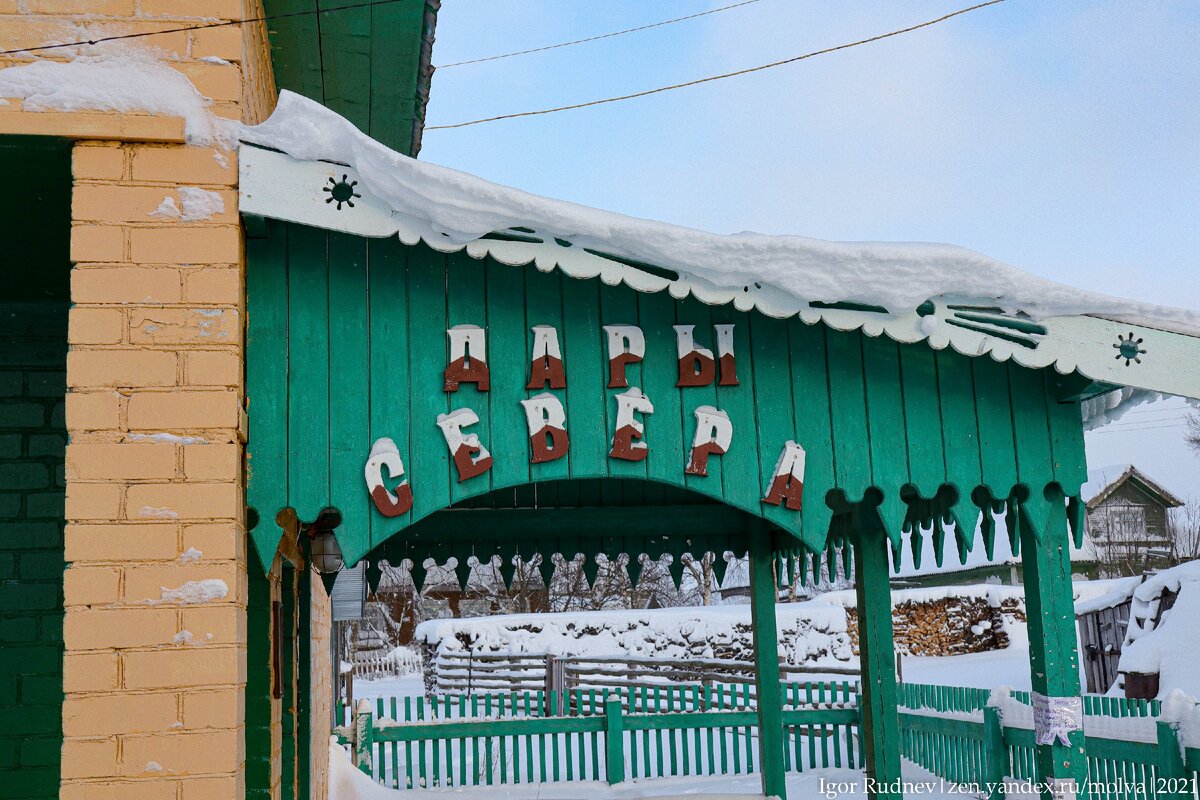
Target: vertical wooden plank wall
{"x": 363, "y": 325}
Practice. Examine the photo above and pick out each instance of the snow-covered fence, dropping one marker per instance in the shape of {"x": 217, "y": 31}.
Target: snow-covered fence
{"x": 971, "y": 736}
{"x": 400, "y": 661}
{"x": 600, "y": 734}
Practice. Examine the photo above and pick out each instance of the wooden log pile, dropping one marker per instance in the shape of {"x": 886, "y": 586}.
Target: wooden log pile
{"x": 947, "y": 626}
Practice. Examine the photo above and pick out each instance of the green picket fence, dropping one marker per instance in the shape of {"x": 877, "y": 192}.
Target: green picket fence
{"x": 593, "y": 734}
{"x": 951, "y": 732}
{"x": 678, "y": 730}
{"x": 962, "y": 698}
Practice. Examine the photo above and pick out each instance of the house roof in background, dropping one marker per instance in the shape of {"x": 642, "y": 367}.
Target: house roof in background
{"x": 1103, "y": 481}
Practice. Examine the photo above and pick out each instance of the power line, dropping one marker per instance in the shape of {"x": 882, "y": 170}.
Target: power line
{"x": 716, "y": 77}
{"x": 596, "y": 38}
{"x": 1172, "y": 416}
{"x": 1111, "y": 429}
{"x": 204, "y": 26}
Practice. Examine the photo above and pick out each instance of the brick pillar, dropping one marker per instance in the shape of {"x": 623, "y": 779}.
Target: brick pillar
{"x": 154, "y": 629}
{"x": 155, "y": 592}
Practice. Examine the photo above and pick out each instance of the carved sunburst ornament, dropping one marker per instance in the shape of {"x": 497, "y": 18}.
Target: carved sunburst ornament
{"x": 341, "y": 191}
{"x": 1129, "y": 349}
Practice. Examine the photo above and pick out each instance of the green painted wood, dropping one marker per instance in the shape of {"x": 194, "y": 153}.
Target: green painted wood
{"x": 947, "y": 726}
{"x": 349, "y": 425}
{"x": 877, "y": 657}
{"x": 766, "y": 664}
{"x": 786, "y": 393}
{"x": 431, "y": 470}
{"x": 672, "y": 406}
{"x": 508, "y": 358}
{"x": 614, "y": 742}
{"x": 466, "y": 304}
{"x": 740, "y": 466}
{"x": 810, "y": 410}
{"x": 544, "y": 306}
{"x": 885, "y": 426}
{"x": 390, "y": 375}
{"x": 1170, "y": 775}
{"x": 960, "y": 441}
{"x": 362, "y": 62}
{"x": 1053, "y": 657}
{"x": 266, "y": 385}
{"x": 619, "y": 306}
{"x": 584, "y": 362}
{"x": 308, "y": 373}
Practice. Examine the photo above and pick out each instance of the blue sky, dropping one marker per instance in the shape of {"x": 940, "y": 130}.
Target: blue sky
{"x": 1061, "y": 138}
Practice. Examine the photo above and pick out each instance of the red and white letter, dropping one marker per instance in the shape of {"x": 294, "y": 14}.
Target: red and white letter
{"x": 546, "y": 366}
{"x": 627, "y": 441}
{"x": 714, "y": 433}
{"x": 384, "y": 453}
{"x": 468, "y": 358}
{"x": 696, "y": 364}
{"x": 471, "y": 458}
{"x": 725, "y": 356}
{"x": 547, "y": 421}
{"x": 626, "y": 345}
{"x": 787, "y": 485}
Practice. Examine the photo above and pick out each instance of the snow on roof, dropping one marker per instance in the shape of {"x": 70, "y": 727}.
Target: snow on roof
{"x": 897, "y": 276}
{"x": 1102, "y": 480}
{"x": 121, "y": 78}
{"x": 1152, "y": 643}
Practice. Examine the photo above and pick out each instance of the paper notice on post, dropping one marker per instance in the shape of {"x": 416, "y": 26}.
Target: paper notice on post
{"x": 1055, "y": 718}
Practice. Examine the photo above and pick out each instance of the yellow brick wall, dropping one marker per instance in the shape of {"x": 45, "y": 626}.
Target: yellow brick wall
{"x": 154, "y": 684}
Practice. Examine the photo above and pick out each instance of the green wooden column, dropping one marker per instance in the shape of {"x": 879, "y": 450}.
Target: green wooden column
{"x": 877, "y": 657}
{"x": 1053, "y": 649}
{"x": 766, "y": 663}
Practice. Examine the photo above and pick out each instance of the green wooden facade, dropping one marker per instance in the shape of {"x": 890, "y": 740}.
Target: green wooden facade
{"x": 347, "y": 343}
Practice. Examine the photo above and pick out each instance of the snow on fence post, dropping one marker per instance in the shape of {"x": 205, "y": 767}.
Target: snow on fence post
{"x": 614, "y": 741}
{"x": 1170, "y": 776}
{"x": 995, "y": 754}
{"x": 364, "y": 735}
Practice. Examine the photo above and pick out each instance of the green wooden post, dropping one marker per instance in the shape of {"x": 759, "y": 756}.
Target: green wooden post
{"x": 1171, "y": 777}
{"x": 614, "y": 740}
{"x": 877, "y": 657}
{"x": 995, "y": 754}
{"x": 766, "y": 664}
{"x": 364, "y": 737}
{"x": 1053, "y": 653}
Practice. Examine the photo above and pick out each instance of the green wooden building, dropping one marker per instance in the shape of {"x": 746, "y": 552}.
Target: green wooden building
{"x": 427, "y": 390}
{"x": 439, "y": 367}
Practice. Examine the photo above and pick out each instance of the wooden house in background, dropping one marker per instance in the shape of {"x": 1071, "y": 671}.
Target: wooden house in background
{"x": 1128, "y": 519}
